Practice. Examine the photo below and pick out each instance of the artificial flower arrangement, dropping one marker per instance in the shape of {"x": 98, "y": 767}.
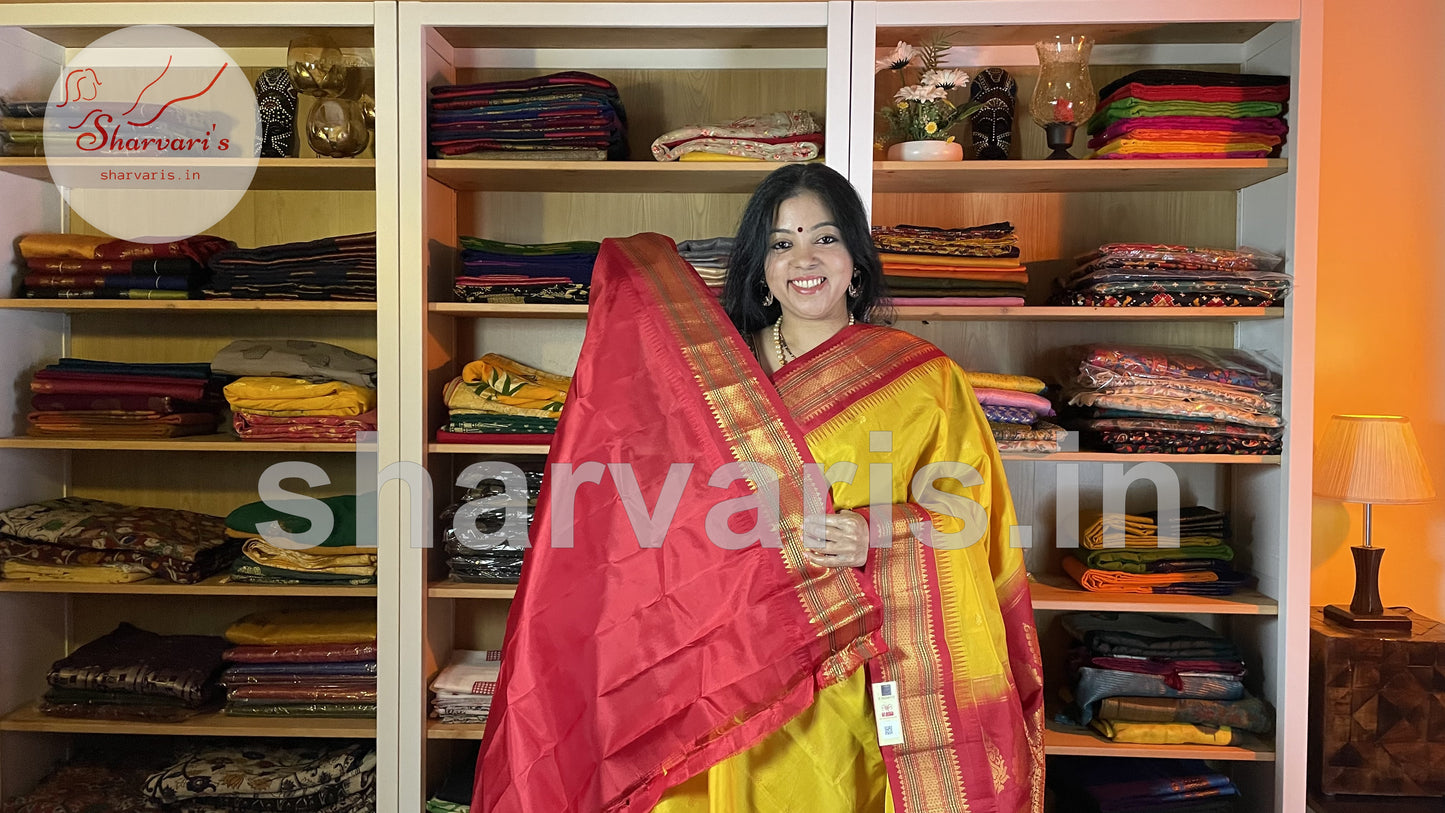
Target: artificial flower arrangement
{"x": 923, "y": 111}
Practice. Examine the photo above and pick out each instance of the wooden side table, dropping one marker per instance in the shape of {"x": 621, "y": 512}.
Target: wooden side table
{"x": 1377, "y": 709}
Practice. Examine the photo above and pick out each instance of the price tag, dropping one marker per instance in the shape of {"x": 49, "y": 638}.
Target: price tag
{"x": 887, "y": 713}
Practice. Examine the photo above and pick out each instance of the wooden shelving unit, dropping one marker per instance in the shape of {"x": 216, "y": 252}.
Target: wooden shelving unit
{"x": 213, "y": 586}
{"x": 914, "y": 313}
{"x": 272, "y": 174}
{"x": 205, "y": 307}
{"x": 192, "y": 443}
{"x": 436, "y": 730}
{"x": 1195, "y": 175}
{"x": 598, "y": 176}
{"x": 30, "y": 719}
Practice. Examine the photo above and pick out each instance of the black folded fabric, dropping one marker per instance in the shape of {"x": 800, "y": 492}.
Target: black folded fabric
{"x": 1170, "y": 76}
{"x": 200, "y": 370}
{"x": 131, "y": 659}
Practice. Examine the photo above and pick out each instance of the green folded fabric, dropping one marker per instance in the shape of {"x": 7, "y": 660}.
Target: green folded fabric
{"x": 343, "y": 513}
{"x": 1135, "y": 560}
{"x": 245, "y": 570}
{"x": 1129, "y": 107}
{"x": 441, "y": 806}
{"x": 530, "y": 249}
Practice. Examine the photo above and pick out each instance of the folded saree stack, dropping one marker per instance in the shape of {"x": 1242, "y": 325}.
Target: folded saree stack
{"x": 22, "y": 129}
{"x": 517, "y": 273}
{"x": 132, "y": 674}
{"x": 1176, "y": 400}
{"x": 463, "y": 689}
{"x": 503, "y": 399}
{"x": 474, "y": 553}
{"x": 302, "y": 663}
{"x": 709, "y": 258}
{"x": 973, "y": 266}
{"x": 298, "y": 390}
{"x": 77, "y": 539}
{"x": 80, "y": 266}
{"x": 1159, "y": 113}
{"x": 570, "y": 115}
{"x": 340, "y": 268}
{"x": 785, "y": 135}
{"x": 1139, "y": 785}
{"x": 280, "y": 558}
{"x": 295, "y": 776}
{"x": 1016, "y": 409}
{"x": 1159, "y": 680}
{"x": 85, "y": 398}
{"x": 1138, "y": 274}
{"x": 1124, "y": 553}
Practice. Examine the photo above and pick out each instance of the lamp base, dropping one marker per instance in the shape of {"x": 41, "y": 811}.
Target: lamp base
{"x": 1375, "y": 622}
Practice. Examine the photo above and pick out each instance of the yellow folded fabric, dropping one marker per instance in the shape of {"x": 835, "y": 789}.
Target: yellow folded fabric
{"x": 247, "y": 536}
{"x": 1139, "y": 532}
{"x": 82, "y": 574}
{"x": 63, "y": 246}
{"x": 304, "y": 627}
{"x": 263, "y": 553}
{"x": 716, "y": 156}
{"x": 1140, "y": 147}
{"x": 1165, "y": 733}
{"x": 495, "y": 383}
{"x": 1114, "y": 581}
{"x": 1001, "y": 381}
{"x": 264, "y": 395}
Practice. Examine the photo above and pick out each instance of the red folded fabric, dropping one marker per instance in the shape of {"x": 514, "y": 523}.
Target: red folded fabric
{"x": 1197, "y": 93}
{"x": 53, "y": 382}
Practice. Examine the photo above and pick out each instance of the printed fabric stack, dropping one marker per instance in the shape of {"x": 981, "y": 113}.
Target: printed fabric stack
{"x": 22, "y": 129}
{"x": 282, "y": 559}
{"x": 1160, "y": 113}
{"x": 517, "y": 273}
{"x": 1159, "y": 680}
{"x": 1016, "y": 408}
{"x": 85, "y": 398}
{"x": 1176, "y": 400}
{"x": 504, "y": 400}
{"x": 298, "y": 390}
{"x": 132, "y": 674}
{"x": 786, "y": 135}
{"x": 79, "y": 266}
{"x": 1155, "y": 276}
{"x": 473, "y": 553}
{"x": 102, "y": 775}
{"x": 296, "y": 776}
{"x": 340, "y": 268}
{"x": 77, "y": 539}
{"x": 302, "y": 663}
{"x": 1139, "y": 785}
{"x": 1124, "y": 553}
{"x": 567, "y": 116}
{"x": 709, "y": 258}
{"x": 974, "y": 266}
{"x": 464, "y": 689}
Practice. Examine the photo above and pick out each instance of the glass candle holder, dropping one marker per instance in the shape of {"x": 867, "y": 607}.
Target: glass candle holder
{"x": 1064, "y": 97}
{"x": 316, "y": 65}
{"x": 336, "y": 128}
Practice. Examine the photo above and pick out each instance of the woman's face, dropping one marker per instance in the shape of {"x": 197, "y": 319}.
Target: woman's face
{"x": 808, "y": 267}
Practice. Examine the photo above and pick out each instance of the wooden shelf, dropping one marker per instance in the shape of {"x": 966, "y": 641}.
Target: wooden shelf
{"x": 629, "y": 37}
{"x": 1192, "y": 175}
{"x": 332, "y": 174}
{"x": 437, "y": 730}
{"x": 215, "y": 724}
{"x": 1155, "y": 33}
{"x": 916, "y": 313}
{"x": 451, "y": 589}
{"x": 201, "y": 306}
{"x": 1061, "y": 739}
{"x": 209, "y": 587}
{"x": 478, "y": 310}
{"x": 1053, "y": 592}
{"x": 600, "y": 176}
{"x": 193, "y": 443}
{"x": 490, "y": 448}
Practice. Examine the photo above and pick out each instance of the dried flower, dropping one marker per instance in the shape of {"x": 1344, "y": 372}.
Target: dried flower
{"x": 901, "y": 57}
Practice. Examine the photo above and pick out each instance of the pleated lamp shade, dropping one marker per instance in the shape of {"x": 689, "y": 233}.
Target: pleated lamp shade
{"x": 1371, "y": 459}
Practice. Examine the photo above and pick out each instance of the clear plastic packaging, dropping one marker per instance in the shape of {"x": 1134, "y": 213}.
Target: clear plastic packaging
{"x": 1244, "y": 261}
{"x": 1221, "y": 370}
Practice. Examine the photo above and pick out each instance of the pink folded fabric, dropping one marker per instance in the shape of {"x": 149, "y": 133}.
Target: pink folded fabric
{"x": 1198, "y": 93}
{"x": 1014, "y": 398}
{"x": 962, "y": 301}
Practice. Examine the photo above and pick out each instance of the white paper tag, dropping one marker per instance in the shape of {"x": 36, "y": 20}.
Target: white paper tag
{"x": 887, "y": 713}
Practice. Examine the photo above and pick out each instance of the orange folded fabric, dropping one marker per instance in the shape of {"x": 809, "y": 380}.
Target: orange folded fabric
{"x": 990, "y": 274}
{"x": 1109, "y": 581}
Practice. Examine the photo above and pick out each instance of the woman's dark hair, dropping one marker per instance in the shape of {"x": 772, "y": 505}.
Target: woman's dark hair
{"x": 746, "y": 284}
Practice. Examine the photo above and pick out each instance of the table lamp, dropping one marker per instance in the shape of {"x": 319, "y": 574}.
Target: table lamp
{"x": 1370, "y": 459}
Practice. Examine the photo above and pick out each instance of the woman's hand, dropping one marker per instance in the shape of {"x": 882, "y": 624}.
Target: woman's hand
{"x": 837, "y": 540}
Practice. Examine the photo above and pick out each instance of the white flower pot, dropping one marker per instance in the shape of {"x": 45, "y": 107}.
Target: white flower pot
{"x": 927, "y": 150}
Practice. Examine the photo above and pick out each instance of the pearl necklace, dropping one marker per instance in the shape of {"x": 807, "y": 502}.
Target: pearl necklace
{"x": 780, "y": 345}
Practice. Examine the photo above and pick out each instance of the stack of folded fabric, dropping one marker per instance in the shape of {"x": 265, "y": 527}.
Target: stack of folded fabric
{"x": 1016, "y": 408}
{"x": 474, "y": 554}
{"x": 1124, "y": 553}
{"x": 1157, "y": 113}
{"x": 84, "y": 398}
{"x": 79, "y": 266}
{"x": 1157, "y": 679}
{"x": 103, "y": 775}
{"x": 974, "y": 266}
{"x": 77, "y": 539}
{"x": 298, "y": 390}
{"x": 787, "y": 135}
{"x": 1139, "y": 785}
{"x": 1176, "y": 400}
{"x": 22, "y": 129}
{"x": 342, "y": 268}
{"x": 1138, "y": 274}
{"x": 280, "y": 559}
{"x": 709, "y": 258}
{"x": 567, "y": 116}
{"x": 463, "y": 690}
{"x": 535, "y": 274}
{"x": 505, "y": 400}
{"x": 302, "y": 663}
{"x": 132, "y": 674}
{"x": 310, "y": 776}
{"x": 455, "y": 793}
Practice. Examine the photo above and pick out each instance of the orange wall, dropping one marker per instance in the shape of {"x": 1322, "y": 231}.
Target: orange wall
{"x": 1381, "y": 344}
